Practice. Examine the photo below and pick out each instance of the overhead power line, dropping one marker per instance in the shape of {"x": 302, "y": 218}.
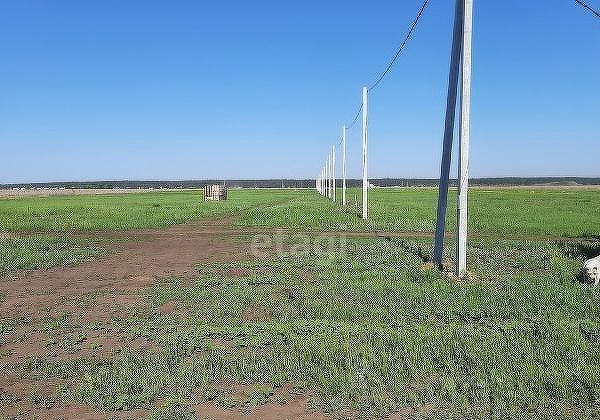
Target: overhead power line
{"x": 349, "y": 126}
{"x": 402, "y": 45}
{"x": 396, "y": 55}
{"x": 589, "y": 8}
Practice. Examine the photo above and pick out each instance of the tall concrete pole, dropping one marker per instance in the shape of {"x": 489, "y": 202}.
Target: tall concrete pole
{"x": 329, "y": 176}
{"x": 440, "y": 228}
{"x": 333, "y": 170}
{"x": 344, "y": 166}
{"x": 465, "y": 134}
{"x": 321, "y": 182}
{"x": 365, "y": 181}
{"x": 326, "y": 173}
{"x": 326, "y": 184}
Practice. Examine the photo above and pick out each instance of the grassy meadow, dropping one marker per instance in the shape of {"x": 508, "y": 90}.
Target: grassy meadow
{"x": 44, "y": 251}
{"x": 538, "y": 212}
{"x": 373, "y": 331}
{"x": 367, "y": 330}
{"x": 76, "y": 213}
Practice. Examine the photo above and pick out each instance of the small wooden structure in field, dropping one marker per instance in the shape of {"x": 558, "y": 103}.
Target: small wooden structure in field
{"x": 215, "y": 192}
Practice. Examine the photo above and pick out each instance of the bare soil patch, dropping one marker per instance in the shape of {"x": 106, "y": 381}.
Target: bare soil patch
{"x": 135, "y": 261}
{"x": 285, "y": 403}
{"x": 65, "y": 312}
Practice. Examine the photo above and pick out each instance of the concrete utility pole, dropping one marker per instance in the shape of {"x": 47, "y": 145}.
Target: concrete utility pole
{"x": 465, "y": 135}
{"x": 328, "y": 176}
{"x": 326, "y": 184}
{"x": 344, "y": 166}
{"x": 460, "y": 61}
{"x": 320, "y": 182}
{"x": 333, "y": 170}
{"x": 440, "y": 228}
{"x": 365, "y": 185}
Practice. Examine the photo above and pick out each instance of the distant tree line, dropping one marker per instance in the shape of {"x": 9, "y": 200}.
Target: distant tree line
{"x": 307, "y": 183}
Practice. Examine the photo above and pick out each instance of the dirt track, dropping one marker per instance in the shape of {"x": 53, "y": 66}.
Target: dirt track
{"x": 94, "y": 291}
{"x": 98, "y": 290}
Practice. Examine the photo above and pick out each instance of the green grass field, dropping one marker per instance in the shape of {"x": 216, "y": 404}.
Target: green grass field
{"x": 367, "y": 331}
{"x": 552, "y": 212}
{"x": 123, "y": 211}
{"x": 44, "y": 251}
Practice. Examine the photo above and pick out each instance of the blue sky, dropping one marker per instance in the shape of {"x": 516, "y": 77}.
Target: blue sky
{"x": 155, "y": 90}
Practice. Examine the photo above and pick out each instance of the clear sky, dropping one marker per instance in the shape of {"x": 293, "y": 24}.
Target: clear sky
{"x": 116, "y": 89}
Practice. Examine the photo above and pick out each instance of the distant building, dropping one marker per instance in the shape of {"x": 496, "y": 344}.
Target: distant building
{"x": 215, "y": 192}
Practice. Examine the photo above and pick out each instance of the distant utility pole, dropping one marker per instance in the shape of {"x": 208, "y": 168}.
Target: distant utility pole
{"x": 325, "y": 185}
{"x": 460, "y": 63}
{"x": 333, "y": 170}
{"x": 324, "y": 179}
{"x": 328, "y": 176}
{"x": 321, "y": 182}
{"x": 344, "y": 166}
{"x": 365, "y": 185}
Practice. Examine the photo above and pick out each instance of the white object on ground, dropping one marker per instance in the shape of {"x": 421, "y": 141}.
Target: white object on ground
{"x": 591, "y": 269}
